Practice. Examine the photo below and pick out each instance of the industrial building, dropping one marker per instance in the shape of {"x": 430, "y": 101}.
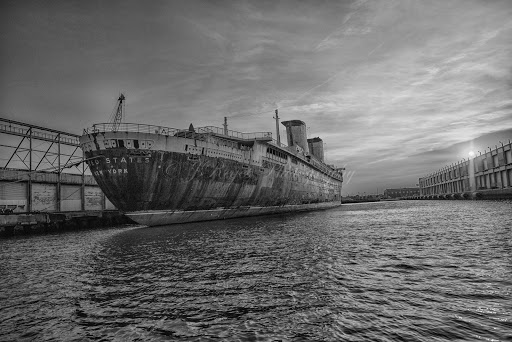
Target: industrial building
{"x": 485, "y": 175}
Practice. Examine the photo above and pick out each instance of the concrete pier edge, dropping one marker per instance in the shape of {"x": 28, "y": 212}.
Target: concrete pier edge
{"x": 48, "y": 222}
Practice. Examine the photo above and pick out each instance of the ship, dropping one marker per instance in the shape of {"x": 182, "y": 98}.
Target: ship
{"x": 158, "y": 175}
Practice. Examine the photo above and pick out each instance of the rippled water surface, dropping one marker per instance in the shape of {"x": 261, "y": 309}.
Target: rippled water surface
{"x": 388, "y": 271}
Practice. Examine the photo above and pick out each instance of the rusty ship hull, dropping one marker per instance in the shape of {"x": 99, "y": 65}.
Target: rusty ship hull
{"x": 159, "y": 176}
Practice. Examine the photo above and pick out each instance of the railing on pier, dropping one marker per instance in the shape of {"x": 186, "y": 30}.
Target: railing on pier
{"x": 21, "y": 129}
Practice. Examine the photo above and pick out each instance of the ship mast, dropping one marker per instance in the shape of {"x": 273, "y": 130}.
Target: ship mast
{"x": 225, "y": 126}
{"x": 277, "y": 129}
{"x": 117, "y": 114}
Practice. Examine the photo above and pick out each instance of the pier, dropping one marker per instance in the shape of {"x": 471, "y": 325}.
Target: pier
{"x": 44, "y": 183}
{"x": 487, "y": 175}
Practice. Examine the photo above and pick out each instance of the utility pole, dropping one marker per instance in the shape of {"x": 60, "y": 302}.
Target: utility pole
{"x": 277, "y": 129}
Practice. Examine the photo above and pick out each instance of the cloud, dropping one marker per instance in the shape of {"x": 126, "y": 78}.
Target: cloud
{"x": 383, "y": 83}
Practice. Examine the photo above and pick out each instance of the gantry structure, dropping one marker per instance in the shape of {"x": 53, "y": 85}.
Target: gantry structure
{"x": 28, "y": 151}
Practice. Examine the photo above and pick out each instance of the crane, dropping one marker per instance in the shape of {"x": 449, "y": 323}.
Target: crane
{"x": 117, "y": 113}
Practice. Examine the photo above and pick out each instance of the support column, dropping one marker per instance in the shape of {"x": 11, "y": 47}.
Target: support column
{"x": 504, "y": 179}
{"x": 82, "y": 193}
{"x": 29, "y": 182}
{"x": 59, "y": 170}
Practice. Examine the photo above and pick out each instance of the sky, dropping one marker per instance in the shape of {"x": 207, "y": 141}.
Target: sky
{"x": 396, "y": 89}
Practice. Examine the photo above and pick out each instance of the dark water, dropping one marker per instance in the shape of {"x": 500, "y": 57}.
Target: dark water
{"x": 391, "y": 271}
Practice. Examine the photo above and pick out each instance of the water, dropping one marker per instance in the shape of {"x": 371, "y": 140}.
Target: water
{"x": 390, "y": 271}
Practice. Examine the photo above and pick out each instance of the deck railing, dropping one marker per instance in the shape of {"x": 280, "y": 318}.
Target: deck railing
{"x": 131, "y": 127}
{"x": 235, "y": 134}
{"x": 144, "y": 128}
{"x": 275, "y": 143}
{"x": 196, "y": 134}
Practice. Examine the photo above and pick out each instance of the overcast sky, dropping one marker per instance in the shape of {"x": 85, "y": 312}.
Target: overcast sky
{"x": 386, "y": 84}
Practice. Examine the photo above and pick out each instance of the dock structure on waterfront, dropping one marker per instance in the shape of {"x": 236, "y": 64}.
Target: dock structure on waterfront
{"x": 486, "y": 175}
{"x": 44, "y": 181}
{"x": 41, "y": 170}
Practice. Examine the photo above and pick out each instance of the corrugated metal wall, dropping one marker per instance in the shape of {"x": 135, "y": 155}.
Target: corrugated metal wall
{"x": 70, "y": 197}
{"x": 44, "y": 197}
{"x": 13, "y": 196}
{"x": 13, "y": 191}
{"x": 93, "y": 198}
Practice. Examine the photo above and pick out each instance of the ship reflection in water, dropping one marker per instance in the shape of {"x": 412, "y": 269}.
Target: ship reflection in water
{"x": 415, "y": 271}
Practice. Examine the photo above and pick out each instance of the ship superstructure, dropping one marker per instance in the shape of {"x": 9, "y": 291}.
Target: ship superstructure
{"x": 159, "y": 175}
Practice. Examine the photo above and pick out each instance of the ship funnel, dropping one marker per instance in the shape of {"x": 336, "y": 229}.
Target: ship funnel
{"x": 296, "y": 134}
{"x": 316, "y": 148}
